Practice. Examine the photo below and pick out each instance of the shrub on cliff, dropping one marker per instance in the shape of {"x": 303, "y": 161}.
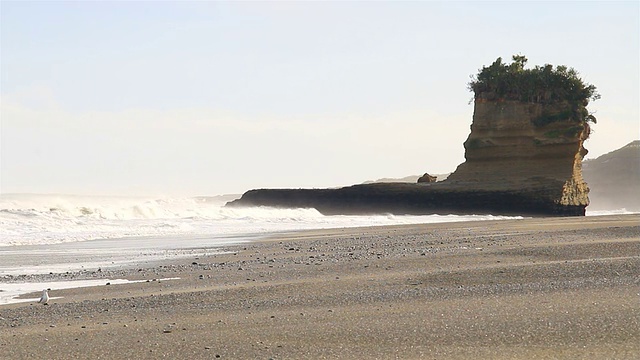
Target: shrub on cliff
{"x": 542, "y": 84}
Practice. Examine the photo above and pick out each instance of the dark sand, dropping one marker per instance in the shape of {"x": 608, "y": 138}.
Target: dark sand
{"x": 525, "y": 289}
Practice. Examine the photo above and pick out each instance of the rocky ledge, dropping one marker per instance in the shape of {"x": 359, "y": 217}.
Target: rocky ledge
{"x": 404, "y": 198}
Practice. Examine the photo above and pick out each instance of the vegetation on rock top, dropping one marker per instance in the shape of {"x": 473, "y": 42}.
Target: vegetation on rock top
{"x": 542, "y": 84}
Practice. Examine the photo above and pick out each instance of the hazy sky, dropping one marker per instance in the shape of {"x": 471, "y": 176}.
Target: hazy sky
{"x": 203, "y": 98}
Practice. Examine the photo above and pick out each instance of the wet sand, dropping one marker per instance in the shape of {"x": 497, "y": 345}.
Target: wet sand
{"x": 517, "y": 289}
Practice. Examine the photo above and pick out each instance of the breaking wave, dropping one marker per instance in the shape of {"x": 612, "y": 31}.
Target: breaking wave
{"x": 28, "y": 219}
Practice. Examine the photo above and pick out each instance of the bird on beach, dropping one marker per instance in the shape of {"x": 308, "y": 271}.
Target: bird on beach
{"x": 44, "y": 299}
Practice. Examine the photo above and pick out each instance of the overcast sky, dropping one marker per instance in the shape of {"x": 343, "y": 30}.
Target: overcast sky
{"x": 204, "y": 98}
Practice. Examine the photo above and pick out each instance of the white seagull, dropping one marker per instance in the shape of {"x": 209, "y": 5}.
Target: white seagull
{"x": 44, "y": 299}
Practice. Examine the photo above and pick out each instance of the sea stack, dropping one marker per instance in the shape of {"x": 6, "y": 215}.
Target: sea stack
{"x": 523, "y": 156}
{"x": 527, "y": 134}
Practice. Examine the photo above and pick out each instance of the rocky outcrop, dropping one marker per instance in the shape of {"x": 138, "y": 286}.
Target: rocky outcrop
{"x": 517, "y": 162}
{"x": 426, "y": 178}
{"x": 523, "y": 156}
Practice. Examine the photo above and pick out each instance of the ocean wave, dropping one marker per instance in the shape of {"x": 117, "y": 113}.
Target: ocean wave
{"x": 43, "y": 219}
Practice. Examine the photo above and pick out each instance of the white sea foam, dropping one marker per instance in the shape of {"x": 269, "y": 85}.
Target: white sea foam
{"x": 609, "y": 212}
{"x": 27, "y": 219}
{"x": 9, "y": 293}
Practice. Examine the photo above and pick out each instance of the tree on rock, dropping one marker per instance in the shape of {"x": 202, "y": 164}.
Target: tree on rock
{"x": 542, "y": 84}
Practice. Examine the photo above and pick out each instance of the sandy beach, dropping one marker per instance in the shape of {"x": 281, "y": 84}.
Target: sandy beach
{"x": 541, "y": 288}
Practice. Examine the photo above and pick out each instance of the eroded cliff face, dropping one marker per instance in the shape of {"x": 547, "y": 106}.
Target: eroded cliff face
{"x": 526, "y": 147}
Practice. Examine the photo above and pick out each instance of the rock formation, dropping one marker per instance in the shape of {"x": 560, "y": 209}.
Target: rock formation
{"x": 523, "y": 155}
{"x": 426, "y": 178}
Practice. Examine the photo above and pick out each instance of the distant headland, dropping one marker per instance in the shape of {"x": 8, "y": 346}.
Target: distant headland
{"x": 523, "y": 155}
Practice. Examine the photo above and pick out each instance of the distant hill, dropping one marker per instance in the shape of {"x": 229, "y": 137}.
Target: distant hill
{"x": 614, "y": 179}
{"x": 406, "y": 179}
